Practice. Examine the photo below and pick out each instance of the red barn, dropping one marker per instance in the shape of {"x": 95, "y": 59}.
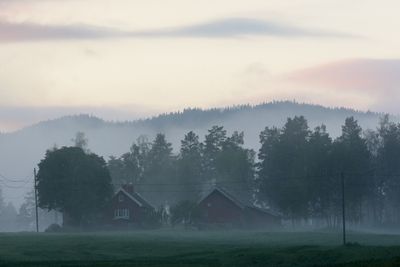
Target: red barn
{"x": 219, "y": 207}
{"x": 128, "y": 208}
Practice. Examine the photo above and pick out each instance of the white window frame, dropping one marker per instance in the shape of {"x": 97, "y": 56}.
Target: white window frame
{"x": 121, "y": 213}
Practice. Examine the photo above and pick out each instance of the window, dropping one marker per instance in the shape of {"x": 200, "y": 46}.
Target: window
{"x": 121, "y": 213}
{"x": 121, "y": 198}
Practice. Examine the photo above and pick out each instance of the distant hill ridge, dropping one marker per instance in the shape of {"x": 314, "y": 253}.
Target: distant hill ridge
{"x": 194, "y": 116}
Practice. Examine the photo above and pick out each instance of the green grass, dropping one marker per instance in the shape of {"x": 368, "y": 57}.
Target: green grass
{"x": 173, "y": 248}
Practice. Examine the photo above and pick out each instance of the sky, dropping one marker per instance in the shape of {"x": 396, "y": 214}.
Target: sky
{"x": 127, "y": 59}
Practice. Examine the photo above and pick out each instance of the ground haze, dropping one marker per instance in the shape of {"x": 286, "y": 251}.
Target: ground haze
{"x": 195, "y": 248}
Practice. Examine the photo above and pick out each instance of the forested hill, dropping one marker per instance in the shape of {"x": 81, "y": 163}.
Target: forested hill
{"x": 20, "y": 151}
{"x": 274, "y": 113}
{"x": 267, "y": 114}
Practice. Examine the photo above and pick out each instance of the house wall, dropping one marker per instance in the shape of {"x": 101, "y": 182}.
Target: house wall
{"x": 217, "y": 209}
{"x": 135, "y": 211}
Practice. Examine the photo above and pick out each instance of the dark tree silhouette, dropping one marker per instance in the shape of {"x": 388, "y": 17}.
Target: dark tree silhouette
{"x": 190, "y": 172}
{"x": 75, "y": 183}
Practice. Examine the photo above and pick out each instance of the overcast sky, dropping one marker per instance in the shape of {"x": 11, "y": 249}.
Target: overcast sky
{"x": 125, "y": 59}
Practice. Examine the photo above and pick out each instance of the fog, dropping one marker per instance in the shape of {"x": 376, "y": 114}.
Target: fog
{"x": 22, "y": 150}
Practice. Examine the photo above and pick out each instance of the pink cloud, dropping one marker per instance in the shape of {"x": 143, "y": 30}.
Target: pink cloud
{"x": 357, "y": 74}
{"x": 369, "y": 83}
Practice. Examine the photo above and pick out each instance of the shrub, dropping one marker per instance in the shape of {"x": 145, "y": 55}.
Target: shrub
{"x": 53, "y": 228}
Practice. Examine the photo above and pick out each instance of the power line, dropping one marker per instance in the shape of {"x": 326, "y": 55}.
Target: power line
{"x": 12, "y": 186}
{"x": 25, "y": 180}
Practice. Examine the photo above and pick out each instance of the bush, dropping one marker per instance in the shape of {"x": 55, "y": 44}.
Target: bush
{"x": 53, "y": 228}
{"x": 186, "y": 213}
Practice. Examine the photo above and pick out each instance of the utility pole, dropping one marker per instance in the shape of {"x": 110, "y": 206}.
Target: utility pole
{"x": 36, "y": 200}
{"x": 343, "y": 209}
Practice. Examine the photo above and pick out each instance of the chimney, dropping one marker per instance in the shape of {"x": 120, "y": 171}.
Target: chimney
{"x": 129, "y": 188}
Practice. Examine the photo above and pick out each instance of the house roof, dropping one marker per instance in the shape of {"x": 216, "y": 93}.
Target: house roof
{"x": 243, "y": 200}
{"x": 136, "y": 197}
{"x": 142, "y": 200}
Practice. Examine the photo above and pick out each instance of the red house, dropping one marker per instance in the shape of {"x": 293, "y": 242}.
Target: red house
{"x": 219, "y": 207}
{"x": 128, "y": 208}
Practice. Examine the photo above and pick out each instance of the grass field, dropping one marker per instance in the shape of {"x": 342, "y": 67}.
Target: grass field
{"x": 173, "y": 248}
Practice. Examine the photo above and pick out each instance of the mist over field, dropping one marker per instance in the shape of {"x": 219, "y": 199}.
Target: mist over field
{"x": 22, "y": 150}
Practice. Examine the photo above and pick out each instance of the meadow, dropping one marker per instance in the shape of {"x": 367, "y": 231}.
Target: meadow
{"x": 198, "y": 248}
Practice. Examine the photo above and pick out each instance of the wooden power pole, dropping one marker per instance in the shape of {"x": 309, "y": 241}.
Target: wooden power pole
{"x": 36, "y": 200}
{"x": 343, "y": 210}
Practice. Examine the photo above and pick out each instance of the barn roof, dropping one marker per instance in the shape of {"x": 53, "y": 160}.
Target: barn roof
{"x": 273, "y": 213}
{"x": 225, "y": 194}
{"x": 242, "y": 199}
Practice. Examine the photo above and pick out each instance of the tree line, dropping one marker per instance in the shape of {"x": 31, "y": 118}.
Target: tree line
{"x": 296, "y": 171}
{"x": 220, "y": 159}
{"x": 23, "y": 219}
